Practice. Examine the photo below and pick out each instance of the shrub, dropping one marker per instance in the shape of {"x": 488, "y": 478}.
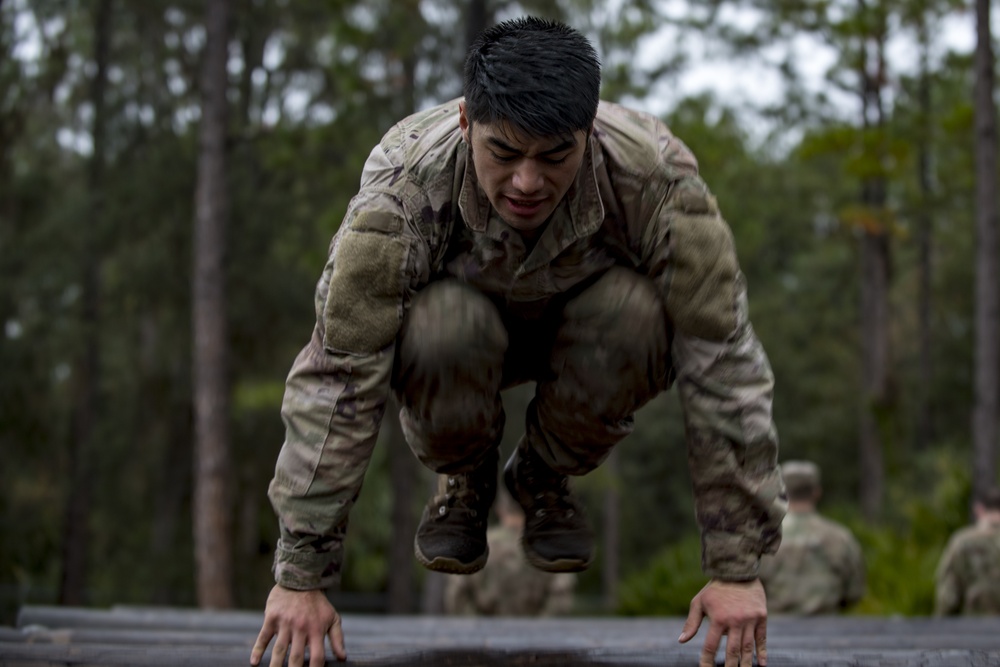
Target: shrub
{"x": 666, "y": 586}
{"x": 901, "y": 553}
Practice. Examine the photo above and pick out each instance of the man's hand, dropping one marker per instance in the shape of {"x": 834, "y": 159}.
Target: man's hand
{"x": 736, "y": 610}
{"x": 296, "y": 619}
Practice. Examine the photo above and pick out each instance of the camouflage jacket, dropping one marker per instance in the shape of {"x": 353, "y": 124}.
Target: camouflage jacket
{"x": 509, "y": 585}
{"x": 420, "y": 215}
{"x": 968, "y": 576}
{"x": 818, "y": 569}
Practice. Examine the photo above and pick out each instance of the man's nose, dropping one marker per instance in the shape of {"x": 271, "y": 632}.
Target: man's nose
{"x": 528, "y": 177}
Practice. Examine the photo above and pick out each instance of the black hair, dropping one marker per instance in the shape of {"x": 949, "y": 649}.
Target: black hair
{"x": 990, "y": 499}
{"x": 540, "y": 76}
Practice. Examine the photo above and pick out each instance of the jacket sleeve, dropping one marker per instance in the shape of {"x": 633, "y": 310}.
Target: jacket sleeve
{"x": 724, "y": 380}
{"x": 336, "y": 391}
{"x": 948, "y": 591}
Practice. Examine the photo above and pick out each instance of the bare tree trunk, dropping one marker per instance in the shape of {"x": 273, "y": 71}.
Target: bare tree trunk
{"x": 925, "y": 233}
{"x": 987, "y": 349}
{"x": 875, "y": 263}
{"x": 212, "y": 466}
{"x": 174, "y": 486}
{"x": 87, "y": 402}
{"x": 403, "y": 477}
{"x": 478, "y": 18}
{"x": 612, "y": 514}
{"x": 252, "y": 45}
{"x": 874, "y": 324}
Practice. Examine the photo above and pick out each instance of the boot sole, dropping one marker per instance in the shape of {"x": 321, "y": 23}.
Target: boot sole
{"x": 558, "y": 565}
{"x": 449, "y": 565}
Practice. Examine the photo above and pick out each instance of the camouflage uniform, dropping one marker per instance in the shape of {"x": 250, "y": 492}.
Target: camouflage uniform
{"x": 632, "y": 286}
{"x": 818, "y": 569}
{"x": 508, "y": 585}
{"x": 968, "y": 576}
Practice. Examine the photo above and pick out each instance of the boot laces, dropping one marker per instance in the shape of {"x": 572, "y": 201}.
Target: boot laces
{"x": 551, "y": 495}
{"x": 459, "y": 493}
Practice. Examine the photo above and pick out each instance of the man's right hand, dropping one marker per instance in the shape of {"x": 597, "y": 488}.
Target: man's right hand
{"x": 296, "y": 619}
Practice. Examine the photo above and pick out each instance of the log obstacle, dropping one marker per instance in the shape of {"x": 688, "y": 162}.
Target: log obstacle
{"x": 140, "y": 636}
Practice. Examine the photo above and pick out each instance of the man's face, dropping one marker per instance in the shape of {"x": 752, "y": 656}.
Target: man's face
{"x": 524, "y": 177}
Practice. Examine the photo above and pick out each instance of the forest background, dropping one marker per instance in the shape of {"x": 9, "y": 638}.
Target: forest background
{"x": 171, "y": 172}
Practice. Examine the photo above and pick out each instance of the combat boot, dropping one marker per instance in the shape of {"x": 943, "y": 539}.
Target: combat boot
{"x": 557, "y": 537}
{"x": 451, "y": 536}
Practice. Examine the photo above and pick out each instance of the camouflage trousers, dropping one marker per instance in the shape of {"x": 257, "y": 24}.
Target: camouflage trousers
{"x": 596, "y": 356}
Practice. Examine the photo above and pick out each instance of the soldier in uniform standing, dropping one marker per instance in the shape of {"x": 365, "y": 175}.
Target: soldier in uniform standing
{"x": 819, "y": 567}
{"x": 968, "y": 576}
{"x": 526, "y": 232}
{"x": 508, "y": 585}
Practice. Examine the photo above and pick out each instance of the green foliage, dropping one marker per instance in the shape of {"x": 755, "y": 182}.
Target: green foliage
{"x": 665, "y": 586}
{"x": 902, "y": 555}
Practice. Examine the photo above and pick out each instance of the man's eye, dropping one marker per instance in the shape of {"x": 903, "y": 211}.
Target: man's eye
{"x": 502, "y": 158}
{"x": 552, "y": 160}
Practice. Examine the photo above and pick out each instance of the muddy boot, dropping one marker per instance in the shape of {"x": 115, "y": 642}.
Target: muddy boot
{"x": 451, "y": 536}
{"x": 556, "y": 535}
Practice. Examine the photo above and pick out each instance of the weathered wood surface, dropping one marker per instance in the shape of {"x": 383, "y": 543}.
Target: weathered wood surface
{"x": 150, "y": 636}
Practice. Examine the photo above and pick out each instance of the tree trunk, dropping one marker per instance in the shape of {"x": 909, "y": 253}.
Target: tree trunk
{"x": 163, "y": 425}
{"x": 874, "y": 326}
{"x": 212, "y": 467}
{"x": 875, "y": 261}
{"x": 402, "y": 476}
{"x": 987, "y": 350}
{"x": 478, "y": 18}
{"x": 174, "y": 486}
{"x": 86, "y": 401}
{"x": 925, "y": 420}
{"x": 432, "y": 600}
{"x": 611, "y": 538}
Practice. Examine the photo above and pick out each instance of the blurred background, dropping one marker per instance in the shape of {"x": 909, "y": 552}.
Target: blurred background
{"x": 171, "y": 172}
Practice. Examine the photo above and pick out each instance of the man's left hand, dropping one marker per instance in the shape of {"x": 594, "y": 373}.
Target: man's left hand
{"x": 736, "y": 610}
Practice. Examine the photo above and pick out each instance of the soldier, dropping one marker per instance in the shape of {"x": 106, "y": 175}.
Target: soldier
{"x": 526, "y": 232}
{"x": 819, "y": 567}
{"x": 968, "y": 576}
{"x": 508, "y": 585}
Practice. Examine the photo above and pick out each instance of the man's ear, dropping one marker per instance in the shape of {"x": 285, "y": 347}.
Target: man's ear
{"x": 463, "y": 123}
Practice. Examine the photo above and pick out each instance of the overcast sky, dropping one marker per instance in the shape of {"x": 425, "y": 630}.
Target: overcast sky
{"x": 744, "y": 83}
{"x": 754, "y": 81}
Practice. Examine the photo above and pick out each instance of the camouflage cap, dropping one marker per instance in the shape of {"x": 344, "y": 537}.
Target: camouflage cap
{"x": 801, "y": 477}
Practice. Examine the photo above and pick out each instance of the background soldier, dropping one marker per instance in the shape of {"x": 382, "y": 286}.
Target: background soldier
{"x": 968, "y": 576}
{"x": 819, "y": 567}
{"x": 508, "y": 585}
